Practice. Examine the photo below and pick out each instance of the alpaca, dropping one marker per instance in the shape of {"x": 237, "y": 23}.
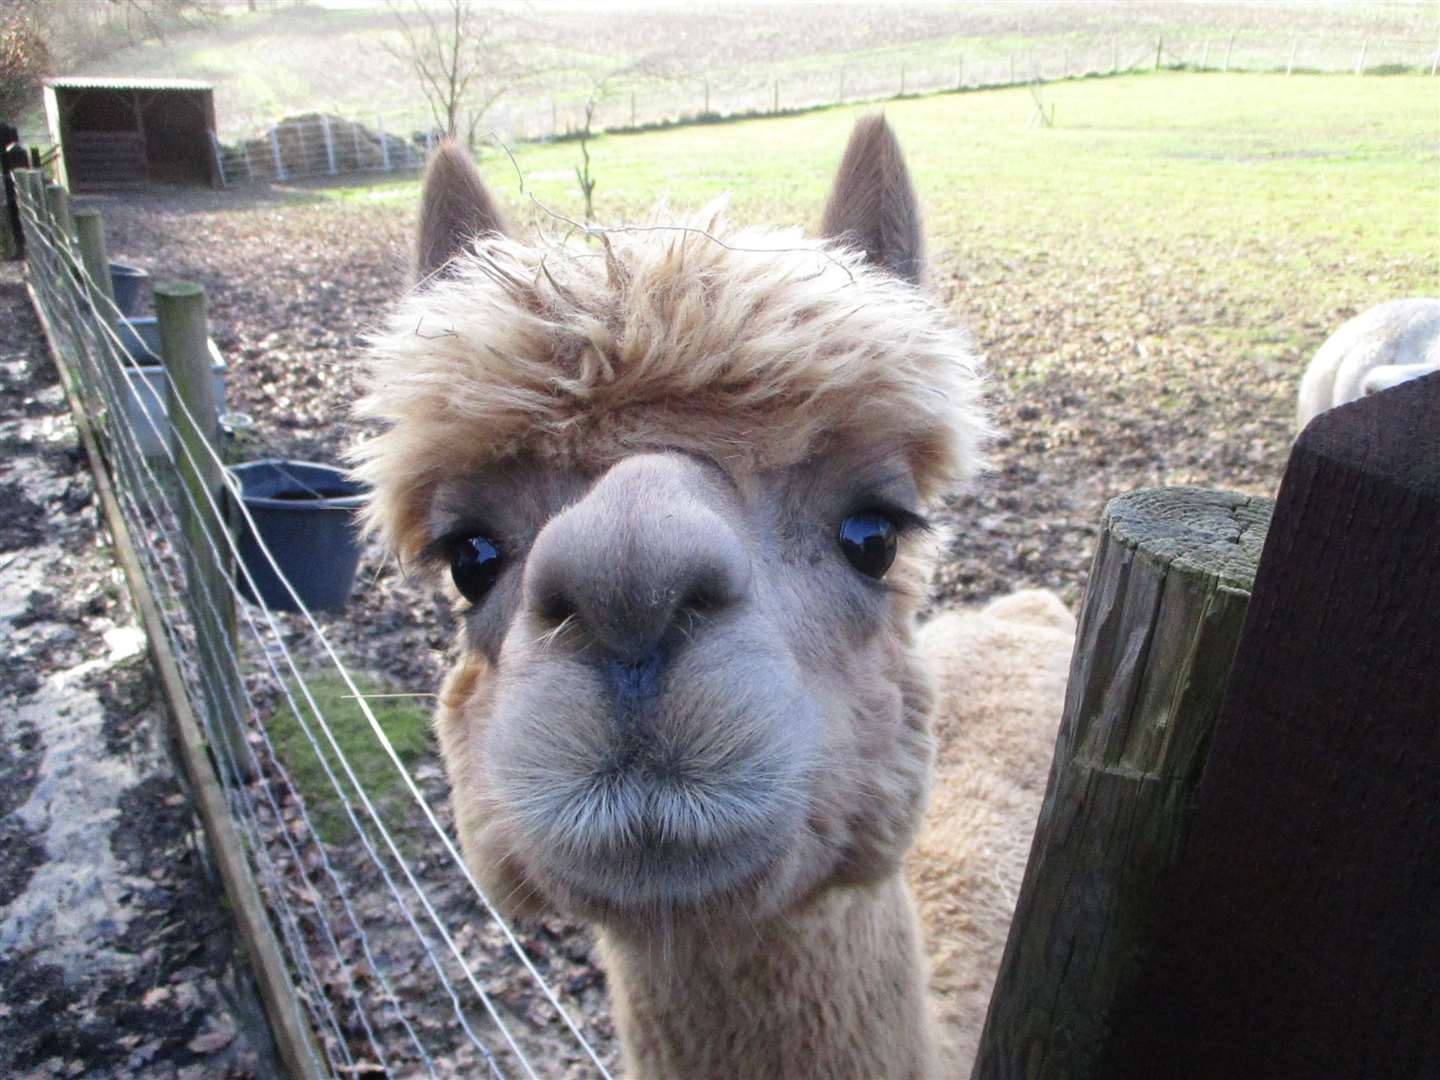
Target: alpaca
{"x": 1381, "y": 347}
{"x": 680, "y": 481}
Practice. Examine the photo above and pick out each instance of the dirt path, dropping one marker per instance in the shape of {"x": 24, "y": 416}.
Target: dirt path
{"x": 116, "y": 956}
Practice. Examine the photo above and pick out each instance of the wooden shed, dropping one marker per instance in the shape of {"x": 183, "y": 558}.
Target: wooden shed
{"x": 115, "y": 132}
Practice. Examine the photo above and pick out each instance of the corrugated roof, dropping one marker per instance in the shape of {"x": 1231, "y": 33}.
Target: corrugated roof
{"x": 108, "y": 82}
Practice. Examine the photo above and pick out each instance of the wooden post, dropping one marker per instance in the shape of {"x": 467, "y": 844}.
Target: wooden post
{"x": 1205, "y": 57}
{"x": 1229, "y": 48}
{"x": 1360, "y": 63}
{"x": 960, "y": 73}
{"x": 195, "y": 426}
{"x": 1300, "y": 935}
{"x": 1159, "y": 46}
{"x": 1163, "y": 613}
{"x": 775, "y": 104}
{"x": 1290, "y": 63}
{"x": 384, "y": 143}
{"x": 707, "y": 97}
{"x": 329, "y": 143}
{"x": 90, "y": 235}
{"x": 58, "y": 200}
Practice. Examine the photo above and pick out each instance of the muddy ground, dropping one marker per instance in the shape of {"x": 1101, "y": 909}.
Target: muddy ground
{"x": 117, "y": 957}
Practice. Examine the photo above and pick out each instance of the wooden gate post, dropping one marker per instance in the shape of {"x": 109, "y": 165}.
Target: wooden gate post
{"x": 1162, "y": 617}
{"x": 1301, "y": 935}
{"x": 200, "y": 501}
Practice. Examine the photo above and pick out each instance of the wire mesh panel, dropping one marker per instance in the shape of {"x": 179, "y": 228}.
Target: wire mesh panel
{"x": 400, "y": 964}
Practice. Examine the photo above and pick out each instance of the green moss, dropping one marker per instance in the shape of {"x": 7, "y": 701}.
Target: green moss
{"x": 405, "y": 721}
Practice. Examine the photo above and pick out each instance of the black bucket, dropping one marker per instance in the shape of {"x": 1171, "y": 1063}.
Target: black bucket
{"x": 305, "y": 514}
{"x": 126, "y": 282}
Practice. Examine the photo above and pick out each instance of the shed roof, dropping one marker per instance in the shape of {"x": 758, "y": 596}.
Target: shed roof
{"x": 108, "y": 82}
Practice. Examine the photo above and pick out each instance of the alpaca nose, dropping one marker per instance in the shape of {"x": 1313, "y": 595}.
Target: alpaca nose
{"x": 645, "y": 556}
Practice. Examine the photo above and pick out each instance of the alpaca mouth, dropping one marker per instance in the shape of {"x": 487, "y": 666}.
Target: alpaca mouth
{"x": 634, "y": 843}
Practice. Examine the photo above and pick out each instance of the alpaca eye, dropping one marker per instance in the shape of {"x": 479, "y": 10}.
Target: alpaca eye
{"x": 868, "y": 541}
{"x": 474, "y": 566}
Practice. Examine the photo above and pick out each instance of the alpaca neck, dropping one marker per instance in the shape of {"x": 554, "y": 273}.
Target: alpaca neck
{"x": 835, "y": 988}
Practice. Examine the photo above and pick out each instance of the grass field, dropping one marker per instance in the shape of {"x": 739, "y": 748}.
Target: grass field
{"x": 1275, "y": 186}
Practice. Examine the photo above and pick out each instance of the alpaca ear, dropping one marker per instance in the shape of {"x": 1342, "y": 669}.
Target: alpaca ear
{"x": 873, "y": 205}
{"x": 455, "y": 207}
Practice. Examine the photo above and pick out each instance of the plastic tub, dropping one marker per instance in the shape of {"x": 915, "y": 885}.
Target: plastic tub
{"x": 305, "y": 514}
{"x": 143, "y": 394}
{"x": 126, "y": 282}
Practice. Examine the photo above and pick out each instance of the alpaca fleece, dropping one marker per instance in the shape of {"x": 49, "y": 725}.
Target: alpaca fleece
{"x": 753, "y": 347}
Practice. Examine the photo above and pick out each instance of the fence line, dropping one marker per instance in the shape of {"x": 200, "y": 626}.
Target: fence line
{"x": 300, "y": 879}
{"x": 318, "y": 144}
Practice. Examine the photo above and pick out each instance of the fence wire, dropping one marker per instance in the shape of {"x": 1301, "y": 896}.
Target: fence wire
{"x": 396, "y": 987}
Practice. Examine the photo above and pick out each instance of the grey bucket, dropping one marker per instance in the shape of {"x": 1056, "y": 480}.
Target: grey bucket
{"x": 144, "y": 392}
{"x": 304, "y": 513}
{"x": 126, "y": 282}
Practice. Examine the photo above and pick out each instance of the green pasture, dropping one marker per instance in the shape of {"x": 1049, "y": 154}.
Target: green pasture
{"x": 1267, "y": 179}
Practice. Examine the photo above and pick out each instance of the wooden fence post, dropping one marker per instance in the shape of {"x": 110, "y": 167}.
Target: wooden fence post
{"x": 1290, "y": 63}
{"x": 1159, "y": 48}
{"x": 707, "y": 97}
{"x": 384, "y": 143}
{"x": 1300, "y": 935}
{"x": 194, "y": 423}
{"x": 775, "y": 105}
{"x": 90, "y": 235}
{"x": 1229, "y": 48}
{"x": 1360, "y": 62}
{"x": 58, "y": 200}
{"x": 959, "y": 73}
{"x": 1205, "y": 57}
{"x": 1163, "y": 614}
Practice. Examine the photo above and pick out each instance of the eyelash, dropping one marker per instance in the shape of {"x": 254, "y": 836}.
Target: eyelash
{"x": 906, "y": 521}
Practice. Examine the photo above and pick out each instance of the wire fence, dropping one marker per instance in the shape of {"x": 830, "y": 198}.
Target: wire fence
{"x": 318, "y": 144}
{"x": 390, "y": 973}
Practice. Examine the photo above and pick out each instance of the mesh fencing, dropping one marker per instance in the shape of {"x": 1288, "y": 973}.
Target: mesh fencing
{"x": 386, "y": 974}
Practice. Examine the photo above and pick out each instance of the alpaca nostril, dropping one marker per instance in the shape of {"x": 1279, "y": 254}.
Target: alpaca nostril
{"x": 556, "y": 608}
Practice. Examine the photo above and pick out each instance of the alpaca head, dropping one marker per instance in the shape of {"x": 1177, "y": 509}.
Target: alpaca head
{"x": 678, "y": 478}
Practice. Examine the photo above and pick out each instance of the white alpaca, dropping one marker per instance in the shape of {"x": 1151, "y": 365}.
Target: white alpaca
{"x": 680, "y": 482}
{"x": 1381, "y": 347}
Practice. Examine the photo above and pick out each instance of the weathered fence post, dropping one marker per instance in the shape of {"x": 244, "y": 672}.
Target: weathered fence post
{"x": 959, "y": 73}
{"x": 1360, "y": 61}
{"x": 384, "y": 143}
{"x": 275, "y": 152}
{"x": 1300, "y": 935}
{"x": 1163, "y": 614}
{"x": 1159, "y": 49}
{"x": 1205, "y": 57}
{"x": 90, "y": 235}
{"x": 775, "y": 104}
{"x": 58, "y": 200}
{"x": 707, "y": 98}
{"x": 1290, "y": 63}
{"x": 200, "y": 501}
{"x": 1229, "y": 48}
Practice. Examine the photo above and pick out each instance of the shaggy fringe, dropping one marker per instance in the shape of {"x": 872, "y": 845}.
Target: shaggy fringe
{"x": 754, "y": 347}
